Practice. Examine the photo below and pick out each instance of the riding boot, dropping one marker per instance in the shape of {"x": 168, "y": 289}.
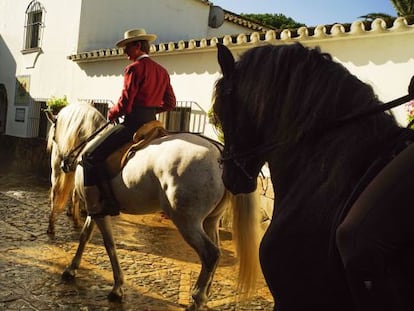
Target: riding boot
{"x": 110, "y": 204}
{"x": 93, "y": 200}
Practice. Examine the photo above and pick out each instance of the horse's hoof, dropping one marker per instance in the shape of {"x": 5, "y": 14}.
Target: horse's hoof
{"x": 192, "y": 307}
{"x": 50, "y": 231}
{"x": 114, "y": 297}
{"x": 77, "y": 225}
{"x": 68, "y": 275}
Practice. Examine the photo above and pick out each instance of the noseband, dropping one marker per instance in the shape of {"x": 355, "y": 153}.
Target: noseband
{"x": 237, "y": 163}
{"x": 239, "y": 159}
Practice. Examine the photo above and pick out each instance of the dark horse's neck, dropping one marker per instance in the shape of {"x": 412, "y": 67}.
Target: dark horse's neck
{"x": 323, "y": 169}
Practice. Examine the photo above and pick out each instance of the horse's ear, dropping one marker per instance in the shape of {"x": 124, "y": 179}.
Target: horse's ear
{"x": 225, "y": 59}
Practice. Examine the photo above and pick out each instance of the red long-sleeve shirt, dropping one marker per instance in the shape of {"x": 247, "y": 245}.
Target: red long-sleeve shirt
{"x": 146, "y": 84}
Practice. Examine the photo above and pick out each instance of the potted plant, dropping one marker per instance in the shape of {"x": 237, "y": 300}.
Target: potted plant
{"x": 54, "y": 104}
{"x": 410, "y": 112}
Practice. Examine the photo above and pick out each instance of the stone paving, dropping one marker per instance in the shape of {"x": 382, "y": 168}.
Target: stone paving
{"x": 159, "y": 267}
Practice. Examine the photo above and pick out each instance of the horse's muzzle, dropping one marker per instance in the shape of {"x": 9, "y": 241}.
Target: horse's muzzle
{"x": 236, "y": 181}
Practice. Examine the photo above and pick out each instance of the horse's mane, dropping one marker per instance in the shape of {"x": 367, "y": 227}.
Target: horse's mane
{"x": 294, "y": 94}
{"x": 314, "y": 89}
{"x": 74, "y": 124}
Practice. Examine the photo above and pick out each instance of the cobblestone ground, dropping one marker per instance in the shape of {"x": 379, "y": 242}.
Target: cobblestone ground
{"x": 159, "y": 267}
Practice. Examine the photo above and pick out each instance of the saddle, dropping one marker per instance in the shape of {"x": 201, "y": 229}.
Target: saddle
{"x": 142, "y": 138}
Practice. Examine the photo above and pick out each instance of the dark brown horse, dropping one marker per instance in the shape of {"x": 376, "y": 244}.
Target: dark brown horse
{"x": 297, "y": 109}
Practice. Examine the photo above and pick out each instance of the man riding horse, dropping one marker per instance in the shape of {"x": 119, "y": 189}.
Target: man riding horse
{"x": 146, "y": 92}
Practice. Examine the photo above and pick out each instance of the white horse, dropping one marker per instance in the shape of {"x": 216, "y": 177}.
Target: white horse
{"x": 178, "y": 174}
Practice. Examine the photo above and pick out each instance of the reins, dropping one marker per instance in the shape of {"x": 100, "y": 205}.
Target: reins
{"x": 384, "y": 107}
{"x": 67, "y": 164}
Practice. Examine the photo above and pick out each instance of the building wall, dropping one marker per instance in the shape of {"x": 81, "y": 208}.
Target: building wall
{"x": 103, "y": 22}
{"x": 49, "y": 69}
{"x": 380, "y": 56}
{"x": 385, "y": 61}
{"x": 83, "y": 25}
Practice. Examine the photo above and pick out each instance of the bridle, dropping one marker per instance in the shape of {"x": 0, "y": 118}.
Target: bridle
{"x": 68, "y": 163}
{"x": 238, "y": 158}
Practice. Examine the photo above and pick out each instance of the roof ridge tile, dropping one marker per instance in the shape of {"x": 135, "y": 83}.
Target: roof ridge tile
{"x": 320, "y": 32}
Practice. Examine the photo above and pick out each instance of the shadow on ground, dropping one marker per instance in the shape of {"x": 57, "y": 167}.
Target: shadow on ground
{"x": 159, "y": 267}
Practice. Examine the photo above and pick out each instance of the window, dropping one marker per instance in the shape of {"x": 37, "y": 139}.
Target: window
{"x": 102, "y": 105}
{"x": 37, "y": 123}
{"x": 34, "y": 25}
{"x": 43, "y": 121}
{"x": 20, "y": 115}
{"x": 178, "y": 119}
{"x": 3, "y": 108}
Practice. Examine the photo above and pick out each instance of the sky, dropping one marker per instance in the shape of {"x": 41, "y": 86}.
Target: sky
{"x": 311, "y": 12}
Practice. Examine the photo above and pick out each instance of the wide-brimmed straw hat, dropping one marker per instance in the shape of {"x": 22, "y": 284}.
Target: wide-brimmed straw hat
{"x": 135, "y": 35}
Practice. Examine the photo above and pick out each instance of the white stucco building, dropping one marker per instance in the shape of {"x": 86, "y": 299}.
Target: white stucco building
{"x": 36, "y": 38}
{"x": 66, "y": 48}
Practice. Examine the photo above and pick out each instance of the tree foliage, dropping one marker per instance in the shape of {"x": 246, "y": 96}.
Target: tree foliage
{"x": 278, "y": 21}
{"x": 372, "y": 16}
{"x": 403, "y": 7}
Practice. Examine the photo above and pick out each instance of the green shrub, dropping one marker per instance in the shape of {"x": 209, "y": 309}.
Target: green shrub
{"x": 212, "y": 118}
{"x": 55, "y": 104}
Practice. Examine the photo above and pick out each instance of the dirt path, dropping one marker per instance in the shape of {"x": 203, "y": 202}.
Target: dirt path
{"x": 159, "y": 267}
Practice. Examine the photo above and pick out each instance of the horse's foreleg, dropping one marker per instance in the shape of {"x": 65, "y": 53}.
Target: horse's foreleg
{"x": 104, "y": 225}
{"x": 84, "y": 238}
{"x": 76, "y": 202}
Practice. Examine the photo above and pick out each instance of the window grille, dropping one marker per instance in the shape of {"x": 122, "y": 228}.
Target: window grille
{"x": 37, "y": 123}
{"x": 102, "y": 105}
{"x": 34, "y": 25}
{"x": 187, "y": 116}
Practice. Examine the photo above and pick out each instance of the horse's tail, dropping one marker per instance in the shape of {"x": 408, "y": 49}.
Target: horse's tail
{"x": 246, "y": 231}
